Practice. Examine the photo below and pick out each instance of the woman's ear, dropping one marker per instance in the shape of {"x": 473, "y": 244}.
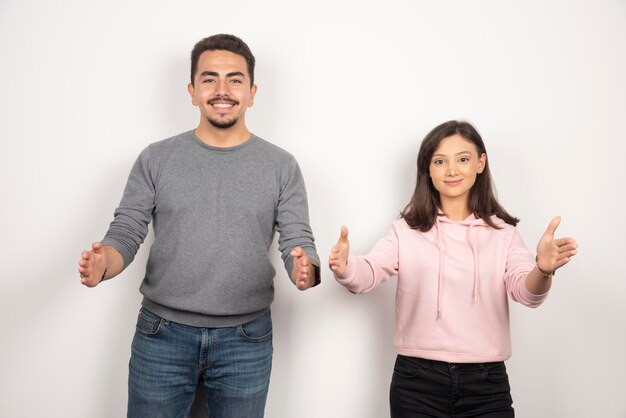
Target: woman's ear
{"x": 482, "y": 162}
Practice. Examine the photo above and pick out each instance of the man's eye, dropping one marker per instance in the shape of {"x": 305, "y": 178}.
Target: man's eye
{"x": 235, "y": 81}
{"x": 208, "y": 80}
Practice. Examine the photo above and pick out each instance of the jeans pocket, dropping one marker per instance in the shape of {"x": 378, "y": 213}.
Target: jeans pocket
{"x": 406, "y": 367}
{"x": 257, "y": 330}
{"x": 148, "y": 323}
{"x": 496, "y": 373}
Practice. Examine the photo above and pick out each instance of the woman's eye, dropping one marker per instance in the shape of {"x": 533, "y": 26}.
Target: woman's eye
{"x": 464, "y": 159}
{"x": 438, "y": 162}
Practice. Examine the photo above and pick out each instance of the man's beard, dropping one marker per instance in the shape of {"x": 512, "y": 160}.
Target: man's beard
{"x": 222, "y": 123}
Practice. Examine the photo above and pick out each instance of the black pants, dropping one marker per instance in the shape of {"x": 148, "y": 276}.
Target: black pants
{"x": 427, "y": 389}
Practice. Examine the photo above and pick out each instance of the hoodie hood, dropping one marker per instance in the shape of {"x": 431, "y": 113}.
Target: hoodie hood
{"x": 470, "y": 223}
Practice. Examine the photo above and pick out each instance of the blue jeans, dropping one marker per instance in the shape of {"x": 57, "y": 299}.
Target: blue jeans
{"x": 169, "y": 360}
{"x": 423, "y": 388}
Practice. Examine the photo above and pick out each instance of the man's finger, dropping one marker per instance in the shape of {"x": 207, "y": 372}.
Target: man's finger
{"x": 297, "y": 252}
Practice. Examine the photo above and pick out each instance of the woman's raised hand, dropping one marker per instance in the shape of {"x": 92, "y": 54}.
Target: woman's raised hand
{"x": 338, "y": 258}
{"x": 554, "y": 253}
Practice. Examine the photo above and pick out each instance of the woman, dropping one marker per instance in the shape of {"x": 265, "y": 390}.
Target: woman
{"x": 458, "y": 256}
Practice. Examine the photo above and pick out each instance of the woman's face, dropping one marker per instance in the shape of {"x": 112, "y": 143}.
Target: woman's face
{"x": 453, "y": 168}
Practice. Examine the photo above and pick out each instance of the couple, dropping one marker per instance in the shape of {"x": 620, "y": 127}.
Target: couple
{"x": 217, "y": 194}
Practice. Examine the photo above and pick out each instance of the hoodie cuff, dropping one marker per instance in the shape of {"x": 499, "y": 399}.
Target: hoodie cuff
{"x": 531, "y": 299}
{"x": 349, "y": 273}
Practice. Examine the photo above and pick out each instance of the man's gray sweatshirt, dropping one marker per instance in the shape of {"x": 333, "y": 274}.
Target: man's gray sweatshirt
{"x": 215, "y": 211}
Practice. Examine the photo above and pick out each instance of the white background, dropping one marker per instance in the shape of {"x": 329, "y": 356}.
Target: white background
{"x": 350, "y": 88}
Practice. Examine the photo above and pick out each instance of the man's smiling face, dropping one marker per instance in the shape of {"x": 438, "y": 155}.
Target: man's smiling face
{"x": 222, "y": 88}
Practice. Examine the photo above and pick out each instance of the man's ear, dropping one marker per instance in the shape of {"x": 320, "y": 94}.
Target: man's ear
{"x": 252, "y": 93}
{"x": 191, "y": 91}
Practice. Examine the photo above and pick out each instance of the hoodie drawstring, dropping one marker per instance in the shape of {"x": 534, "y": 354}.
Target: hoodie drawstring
{"x": 440, "y": 278}
{"x": 473, "y": 243}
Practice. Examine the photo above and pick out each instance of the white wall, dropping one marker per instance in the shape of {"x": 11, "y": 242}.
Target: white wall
{"x": 349, "y": 88}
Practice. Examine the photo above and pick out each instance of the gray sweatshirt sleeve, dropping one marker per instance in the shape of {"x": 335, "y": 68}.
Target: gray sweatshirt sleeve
{"x": 292, "y": 218}
{"x": 131, "y": 219}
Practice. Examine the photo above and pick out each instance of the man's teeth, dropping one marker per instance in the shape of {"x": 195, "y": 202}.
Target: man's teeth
{"x": 222, "y": 105}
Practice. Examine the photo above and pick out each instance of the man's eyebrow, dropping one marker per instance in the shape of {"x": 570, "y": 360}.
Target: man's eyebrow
{"x": 209, "y": 74}
{"x": 236, "y": 74}
{"x": 216, "y": 74}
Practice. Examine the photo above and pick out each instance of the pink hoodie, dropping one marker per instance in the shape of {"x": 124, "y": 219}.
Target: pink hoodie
{"x": 453, "y": 287}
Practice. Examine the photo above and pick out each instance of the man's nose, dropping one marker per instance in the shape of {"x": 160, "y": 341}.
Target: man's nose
{"x": 221, "y": 88}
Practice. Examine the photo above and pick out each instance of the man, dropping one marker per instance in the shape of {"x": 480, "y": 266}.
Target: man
{"x": 216, "y": 195}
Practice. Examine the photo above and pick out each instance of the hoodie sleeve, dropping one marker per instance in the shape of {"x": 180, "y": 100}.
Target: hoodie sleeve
{"x": 519, "y": 263}
{"x": 365, "y": 273}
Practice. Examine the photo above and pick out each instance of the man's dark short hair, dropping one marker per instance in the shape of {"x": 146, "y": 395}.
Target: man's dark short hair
{"x": 222, "y": 42}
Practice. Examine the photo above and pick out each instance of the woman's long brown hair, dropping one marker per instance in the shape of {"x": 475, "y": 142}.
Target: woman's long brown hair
{"x": 425, "y": 204}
